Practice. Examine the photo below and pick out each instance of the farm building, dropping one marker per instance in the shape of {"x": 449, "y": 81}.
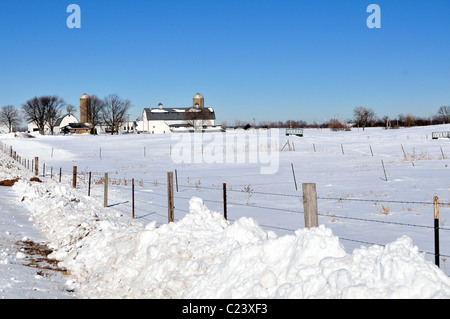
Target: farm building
{"x": 161, "y": 120}
{"x": 60, "y": 123}
{"x": 76, "y": 128}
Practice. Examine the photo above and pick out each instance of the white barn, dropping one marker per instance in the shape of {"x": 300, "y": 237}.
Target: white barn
{"x": 162, "y": 120}
{"x": 60, "y": 123}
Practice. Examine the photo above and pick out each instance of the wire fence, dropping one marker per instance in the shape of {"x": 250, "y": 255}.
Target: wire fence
{"x": 149, "y": 202}
{"x": 151, "y": 196}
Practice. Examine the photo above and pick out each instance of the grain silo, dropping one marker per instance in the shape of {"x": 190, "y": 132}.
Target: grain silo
{"x": 85, "y": 101}
{"x": 198, "y": 101}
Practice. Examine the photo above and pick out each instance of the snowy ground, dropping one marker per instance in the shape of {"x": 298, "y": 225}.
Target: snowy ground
{"x": 375, "y": 240}
{"x": 18, "y": 279}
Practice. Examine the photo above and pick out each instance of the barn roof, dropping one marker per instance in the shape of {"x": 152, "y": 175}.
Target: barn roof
{"x": 170, "y": 114}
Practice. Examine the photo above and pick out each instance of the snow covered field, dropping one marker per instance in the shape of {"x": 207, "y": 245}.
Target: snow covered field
{"x": 376, "y": 238}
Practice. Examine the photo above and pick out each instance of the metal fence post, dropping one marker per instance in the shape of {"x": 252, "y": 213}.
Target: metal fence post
{"x": 436, "y": 231}
{"x": 170, "y": 196}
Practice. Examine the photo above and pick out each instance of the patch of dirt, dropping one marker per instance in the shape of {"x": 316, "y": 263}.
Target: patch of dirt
{"x": 38, "y": 257}
{"x": 8, "y": 182}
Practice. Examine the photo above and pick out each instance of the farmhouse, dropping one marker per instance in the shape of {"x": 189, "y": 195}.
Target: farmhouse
{"x": 196, "y": 118}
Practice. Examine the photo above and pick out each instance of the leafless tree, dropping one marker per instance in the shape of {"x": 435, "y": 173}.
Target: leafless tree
{"x": 95, "y": 112}
{"x": 70, "y": 109}
{"x": 114, "y": 111}
{"x": 444, "y": 114}
{"x": 363, "y": 116}
{"x": 43, "y": 110}
{"x": 34, "y": 112}
{"x": 53, "y": 105}
{"x": 197, "y": 117}
{"x": 9, "y": 116}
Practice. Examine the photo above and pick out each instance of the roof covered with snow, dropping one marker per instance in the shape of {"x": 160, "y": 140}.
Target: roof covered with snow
{"x": 170, "y": 114}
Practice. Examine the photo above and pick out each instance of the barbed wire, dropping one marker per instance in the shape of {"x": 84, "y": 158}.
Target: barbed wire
{"x": 127, "y": 187}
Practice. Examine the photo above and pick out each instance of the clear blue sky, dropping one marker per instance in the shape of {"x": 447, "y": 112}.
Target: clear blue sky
{"x": 269, "y": 60}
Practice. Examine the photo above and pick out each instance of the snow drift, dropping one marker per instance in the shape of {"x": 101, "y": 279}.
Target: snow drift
{"x": 205, "y": 256}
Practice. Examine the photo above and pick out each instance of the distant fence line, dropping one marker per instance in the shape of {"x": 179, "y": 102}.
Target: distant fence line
{"x": 309, "y": 199}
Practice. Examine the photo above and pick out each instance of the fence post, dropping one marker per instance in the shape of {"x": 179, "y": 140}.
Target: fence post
{"x": 404, "y": 153}
{"x": 36, "y": 166}
{"x": 293, "y": 173}
{"x": 384, "y": 170}
{"x": 225, "y": 215}
{"x": 74, "y": 177}
{"x": 89, "y": 186}
{"x": 60, "y": 173}
{"x": 310, "y": 205}
{"x": 176, "y": 179}
{"x": 170, "y": 196}
{"x": 132, "y": 198}
{"x": 436, "y": 231}
{"x": 105, "y": 194}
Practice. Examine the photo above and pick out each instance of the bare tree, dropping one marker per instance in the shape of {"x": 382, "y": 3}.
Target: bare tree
{"x": 34, "y": 112}
{"x": 53, "y": 105}
{"x": 70, "y": 109}
{"x": 95, "y": 112}
{"x": 9, "y": 116}
{"x": 43, "y": 110}
{"x": 197, "y": 117}
{"x": 363, "y": 116}
{"x": 444, "y": 114}
{"x": 113, "y": 112}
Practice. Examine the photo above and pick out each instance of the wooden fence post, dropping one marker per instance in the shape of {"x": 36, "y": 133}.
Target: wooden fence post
{"x": 36, "y": 166}
{"x": 436, "y": 231}
{"x": 225, "y": 215}
{"x": 105, "y": 194}
{"x": 74, "y": 177}
{"x": 60, "y": 173}
{"x": 170, "y": 196}
{"x": 310, "y": 205}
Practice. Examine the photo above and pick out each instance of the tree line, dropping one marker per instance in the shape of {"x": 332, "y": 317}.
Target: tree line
{"x": 111, "y": 111}
{"x": 362, "y": 117}
{"x": 45, "y": 111}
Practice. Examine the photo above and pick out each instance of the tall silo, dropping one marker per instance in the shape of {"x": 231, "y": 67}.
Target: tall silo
{"x": 85, "y": 101}
{"x": 198, "y": 101}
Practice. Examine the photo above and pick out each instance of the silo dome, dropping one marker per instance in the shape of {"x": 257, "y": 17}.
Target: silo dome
{"x": 198, "y": 101}
{"x": 84, "y": 96}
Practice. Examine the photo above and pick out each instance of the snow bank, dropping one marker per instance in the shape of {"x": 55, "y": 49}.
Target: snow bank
{"x": 205, "y": 256}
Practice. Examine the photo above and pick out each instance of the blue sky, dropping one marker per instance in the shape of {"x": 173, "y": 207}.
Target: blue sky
{"x": 306, "y": 60}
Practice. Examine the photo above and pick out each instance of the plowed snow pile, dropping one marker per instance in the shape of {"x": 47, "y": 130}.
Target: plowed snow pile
{"x": 205, "y": 256}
